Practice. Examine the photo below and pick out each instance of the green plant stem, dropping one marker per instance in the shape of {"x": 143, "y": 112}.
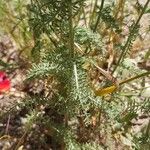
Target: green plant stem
{"x": 99, "y": 16}
{"x": 71, "y": 33}
{"x": 125, "y": 47}
{"x": 84, "y": 16}
{"x": 92, "y": 12}
{"x": 136, "y": 77}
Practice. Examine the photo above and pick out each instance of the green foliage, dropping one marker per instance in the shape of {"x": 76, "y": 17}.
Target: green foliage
{"x": 40, "y": 70}
{"x": 51, "y": 18}
{"x": 70, "y": 112}
{"x": 74, "y": 98}
{"x": 84, "y": 37}
{"x": 110, "y": 21}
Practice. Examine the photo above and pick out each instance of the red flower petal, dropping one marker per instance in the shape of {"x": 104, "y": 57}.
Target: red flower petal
{"x": 4, "y": 82}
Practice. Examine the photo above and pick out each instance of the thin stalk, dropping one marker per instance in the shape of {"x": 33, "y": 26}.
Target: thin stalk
{"x": 76, "y": 76}
{"x": 71, "y": 33}
{"x": 7, "y": 125}
{"x": 112, "y": 88}
{"x": 125, "y": 47}
{"x": 92, "y": 12}
{"x": 71, "y": 46}
{"x": 99, "y": 16}
{"x": 84, "y": 16}
{"x": 136, "y": 77}
{"x": 103, "y": 72}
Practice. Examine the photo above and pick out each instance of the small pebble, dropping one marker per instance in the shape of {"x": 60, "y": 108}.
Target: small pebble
{"x": 12, "y": 90}
{"x": 17, "y": 94}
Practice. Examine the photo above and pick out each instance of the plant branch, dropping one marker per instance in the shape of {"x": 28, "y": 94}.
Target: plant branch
{"x": 92, "y": 12}
{"x": 99, "y": 16}
{"x": 125, "y": 47}
{"x": 136, "y": 77}
{"x": 71, "y": 33}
